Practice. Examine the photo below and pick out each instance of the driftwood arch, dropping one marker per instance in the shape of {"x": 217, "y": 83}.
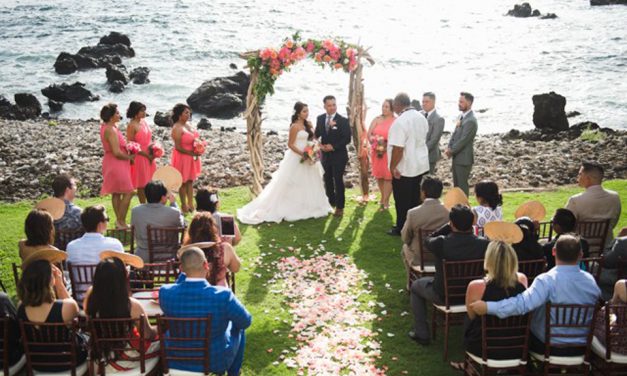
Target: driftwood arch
{"x": 267, "y": 65}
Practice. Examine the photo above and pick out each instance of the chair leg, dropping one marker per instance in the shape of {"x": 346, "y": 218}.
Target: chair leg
{"x": 446, "y": 329}
{"x": 434, "y": 323}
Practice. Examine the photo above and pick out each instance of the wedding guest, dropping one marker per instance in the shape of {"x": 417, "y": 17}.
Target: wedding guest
{"x": 609, "y": 273}
{"x": 490, "y": 201}
{"x": 13, "y": 347}
{"x": 184, "y": 158}
{"x": 528, "y": 248}
{"x": 202, "y": 228}
{"x": 618, "y": 325}
{"x": 64, "y": 188}
{"x": 595, "y": 203}
{"x": 144, "y": 165}
{"x": 207, "y": 199}
{"x": 409, "y": 158}
{"x": 460, "y": 146}
{"x": 564, "y": 222}
{"x": 39, "y": 230}
{"x": 116, "y": 164}
{"x": 436, "y": 127}
{"x": 36, "y": 291}
{"x": 378, "y": 136}
{"x": 502, "y": 281}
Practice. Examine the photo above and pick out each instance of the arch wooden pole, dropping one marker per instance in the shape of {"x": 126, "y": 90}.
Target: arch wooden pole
{"x": 254, "y": 136}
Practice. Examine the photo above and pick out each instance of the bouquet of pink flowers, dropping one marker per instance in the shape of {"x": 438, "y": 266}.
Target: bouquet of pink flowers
{"x": 156, "y": 150}
{"x": 199, "y": 147}
{"x": 311, "y": 153}
{"x": 133, "y": 148}
{"x": 380, "y": 146}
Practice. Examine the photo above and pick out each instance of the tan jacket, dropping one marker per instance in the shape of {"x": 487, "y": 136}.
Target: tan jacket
{"x": 431, "y": 215}
{"x": 595, "y": 204}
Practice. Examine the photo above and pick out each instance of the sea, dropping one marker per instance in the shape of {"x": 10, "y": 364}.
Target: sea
{"x": 443, "y": 46}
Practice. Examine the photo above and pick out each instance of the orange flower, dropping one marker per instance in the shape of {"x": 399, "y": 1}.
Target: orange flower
{"x": 337, "y": 66}
{"x": 289, "y": 44}
{"x": 326, "y": 58}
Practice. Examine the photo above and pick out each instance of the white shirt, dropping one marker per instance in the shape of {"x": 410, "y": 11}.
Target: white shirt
{"x": 86, "y": 249}
{"x": 409, "y": 131}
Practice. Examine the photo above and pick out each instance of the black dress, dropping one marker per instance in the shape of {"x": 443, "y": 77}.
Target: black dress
{"x": 13, "y": 347}
{"x": 472, "y": 332}
{"x": 55, "y": 316}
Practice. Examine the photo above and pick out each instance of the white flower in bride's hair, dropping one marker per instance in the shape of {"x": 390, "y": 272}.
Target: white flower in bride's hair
{"x": 213, "y": 198}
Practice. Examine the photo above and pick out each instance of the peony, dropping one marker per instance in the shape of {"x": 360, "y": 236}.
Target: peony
{"x": 156, "y": 150}
{"x": 289, "y": 44}
{"x": 310, "y": 47}
{"x": 337, "y": 66}
{"x": 326, "y": 58}
{"x": 133, "y": 147}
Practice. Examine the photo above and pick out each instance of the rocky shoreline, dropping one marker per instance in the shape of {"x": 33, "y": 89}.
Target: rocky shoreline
{"x": 32, "y": 152}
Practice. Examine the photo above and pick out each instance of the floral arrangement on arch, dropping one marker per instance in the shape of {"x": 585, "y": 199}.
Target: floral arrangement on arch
{"x": 271, "y": 62}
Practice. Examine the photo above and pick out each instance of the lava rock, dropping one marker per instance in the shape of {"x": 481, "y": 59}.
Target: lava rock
{"x": 272, "y": 133}
{"x": 608, "y": 2}
{"x": 570, "y": 114}
{"x": 204, "y": 123}
{"x": 139, "y": 75}
{"x": 54, "y": 105}
{"x": 28, "y": 106}
{"x": 520, "y": 10}
{"x": 163, "y": 119}
{"x": 65, "y": 64}
{"x": 227, "y": 129}
{"x": 117, "y": 86}
{"x": 100, "y": 51}
{"x": 5, "y": 108}
{"x": 75, "y": 92}
{"x": 548, "y": 16}
{"x": 116, "y": 73}
{"x": 233, "y": 66}
{"x": 115, "y": 37}
{"x": 222, "y": 97}
{"x": 548, "y": 112}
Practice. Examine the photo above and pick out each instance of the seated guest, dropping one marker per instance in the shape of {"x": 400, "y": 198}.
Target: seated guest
{"x": 452, "y": 242}
{"x": 554, "y": 286}
{"x": 490, "y": 201}
{"x": 109, "y": 298}
{"x": 193, "y": 297}
{"x": 430, "y": 215}
{"x": 64, "y": 188}
{"x": 564, "y": 222}
{"x": 618, "y": 324}
{"x": 609, "y": 273}
{"x": 155, "y": 214}
{"x": 595, "y": 203}
{"x": 528, "y": 248}
{"x": 39, "y": 230}
{"x": 502, "y": 281}
{"x": 86, "y": 249}
{"x": 39, "y": 304}
{"x": 13, "y": 347}
{"x": 203, "y": 229}
{"x": 207, "y": 199}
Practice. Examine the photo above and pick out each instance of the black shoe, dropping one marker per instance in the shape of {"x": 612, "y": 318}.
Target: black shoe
{"x": 421, "y": 341}
{"x": 394, "y": 232}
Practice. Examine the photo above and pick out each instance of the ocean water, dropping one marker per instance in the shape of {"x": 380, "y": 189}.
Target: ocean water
{"x": 443, "y": 46}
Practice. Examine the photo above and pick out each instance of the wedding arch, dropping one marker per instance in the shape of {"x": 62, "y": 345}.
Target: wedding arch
{"x": 268, "y": 64}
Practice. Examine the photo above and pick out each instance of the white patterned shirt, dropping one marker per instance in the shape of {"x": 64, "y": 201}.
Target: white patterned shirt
{"x": 485, "y": 214}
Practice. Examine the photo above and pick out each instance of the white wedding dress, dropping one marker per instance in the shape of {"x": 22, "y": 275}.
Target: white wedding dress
{"x": 295, "y": 192}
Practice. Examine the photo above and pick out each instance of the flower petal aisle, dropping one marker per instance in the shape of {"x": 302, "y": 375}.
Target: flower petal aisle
{"x": 329, "y": 320}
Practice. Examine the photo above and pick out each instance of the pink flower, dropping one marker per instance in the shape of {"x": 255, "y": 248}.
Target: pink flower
{"x": 310, "y": 46}
{"x": 133, "y": 147}
{"x": 156, "y": 150}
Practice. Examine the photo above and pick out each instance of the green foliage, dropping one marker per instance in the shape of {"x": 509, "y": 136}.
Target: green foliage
{"x": 592, "y": 135}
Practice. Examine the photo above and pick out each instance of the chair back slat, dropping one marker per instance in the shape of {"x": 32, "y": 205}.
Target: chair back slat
{"x": 185, "y": 339}
{"x": 532, "y": 268}
{"x": 81, "y": 278}
{"x": 614, "y": 328}
{"x": 545, "y": 231}
{"x": 426, "y": 257}
{"x": 595, "y": 233}
{"x": 509, "y": 336}
{"x": 63, "y": 237}
{"x": 111, "y": 338}
{"x": 163, "y": 242}
{"x": 50, "y": 345}
{"x": 592, "y": 265}
{"x": 17, "y": 272}
{"x": 126, "y": 236}
{"x": 151, "y": 277}
{"x": 457, "y": 276}
{"x": 571, "y": 322}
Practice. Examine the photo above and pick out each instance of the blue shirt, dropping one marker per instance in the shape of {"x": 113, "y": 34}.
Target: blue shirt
{"x": 86, "y": 249}
{"x": 229, "y": 318}
{"x": 71, "y": 219}
{"x": 564, "y": 284}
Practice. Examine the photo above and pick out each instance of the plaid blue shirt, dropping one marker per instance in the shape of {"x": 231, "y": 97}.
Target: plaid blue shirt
{"x": 229, "y": 318}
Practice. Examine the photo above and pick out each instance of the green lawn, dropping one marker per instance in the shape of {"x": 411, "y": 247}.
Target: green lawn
{"x": 360, "y": 233}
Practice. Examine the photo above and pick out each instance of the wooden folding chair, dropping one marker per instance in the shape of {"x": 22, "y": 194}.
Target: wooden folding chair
{"x": 185, "y": 340}
{"x": 16, "y": 273}
{"x": 457, "y": 276}
{"x": 532, "y": 268}
{"x": 578, "y": 320}
{"x": 81, "y": 278}
{"x": 126, "y": 236}
{"x": 595, "y": 233}
{"x": 509, "y": 335}
{"x": 545, "y": 231}
{"x": 608, "y": 358}
{"x": 7, "y": 325}
{"x": 592, "y": 265}
{"x": 63, "y": 237}
{"x": 151, "y": 277}
{"x": 163, "y": 242}
{"x": 427, "y": 260}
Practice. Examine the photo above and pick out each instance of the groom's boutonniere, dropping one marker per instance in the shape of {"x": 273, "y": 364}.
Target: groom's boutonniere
{"x": 459, "y": 122}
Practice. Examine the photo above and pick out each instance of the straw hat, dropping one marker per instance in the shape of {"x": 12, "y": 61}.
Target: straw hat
{"x": 170, "y": 176}
{"x": 455, "y": 196}
{"x": 54, "y": 206}
{"x": 201, "y": 245}
{"x": 504, "y": 231}
{"x": 127, "y": 259}
{"x": 53, "y": 255}
{"x": 532, "y": 209}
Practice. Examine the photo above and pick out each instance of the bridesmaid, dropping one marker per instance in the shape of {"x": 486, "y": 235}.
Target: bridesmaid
{"x": 380, "y": 127}
{"x": 116, "y": 166}
{"x": 138, "y": 131}
{"x": 183, "y": 157}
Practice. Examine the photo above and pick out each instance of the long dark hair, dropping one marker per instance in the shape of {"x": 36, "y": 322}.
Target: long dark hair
{"x": 109, "y": 297}
{"x": 489, "y": 191}
{"x": 34, "y": 288}
{"x": 202, "y": 228}
{"x": 298, "y": 107}
{"x": 39, "y": 228}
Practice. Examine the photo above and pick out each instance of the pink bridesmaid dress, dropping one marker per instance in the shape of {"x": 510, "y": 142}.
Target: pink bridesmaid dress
{"x": 142, "y": 169}
{"x": 187, "y": 166}
{"x": 116, "y": 173}
{"x": 380, "y": 168}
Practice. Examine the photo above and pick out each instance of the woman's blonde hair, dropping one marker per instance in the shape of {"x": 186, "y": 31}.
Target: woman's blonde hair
{"x": 501, "y": 263}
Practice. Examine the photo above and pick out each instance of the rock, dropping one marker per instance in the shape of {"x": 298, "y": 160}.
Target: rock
{"x": 27, "y": 106}
{"x": 416, "y": 104}
{"x": 272, "y": 133}
{"x": 75, "y": 92}
{"x": 608, "y": 2}
{"x": 535, "y": 13}
{"x": 116, "y": 73}
{"x": 570, "y": 114}
{"x": 204, "y": 124}
{"x": 6, "y": 108}
{"x": 100, "y": 51}
{"x": 163, "y": 119}
{"x": 139, "y": 75}
{"x": 114, "y": 37}
{"x": 548, "y": 112}
{"x": 221, "y": 97}
{"x": 520, "y": 10}
{"x": 55, "y": 106}
{"x": 548, "y": 16}
{"x": 65, "y": 64}
{"x": 482, "y": 110}
{"x": 227, "y": 129}
{"x": 117, "y": 86}
{"x": 233, "y": 66}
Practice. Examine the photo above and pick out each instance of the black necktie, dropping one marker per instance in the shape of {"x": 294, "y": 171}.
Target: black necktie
{"x": 426, "y": 115}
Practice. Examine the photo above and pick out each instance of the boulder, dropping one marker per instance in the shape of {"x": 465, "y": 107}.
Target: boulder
{"x": 5, "y": 108}
{"x": 116, "y": 73}
{"x": 100, "y": 51}
{"x": 54, "y": 105}
{"x": 204, "y": 123}
{"x": 117, "y": 86}
{"x": 548, "y": 16}
{"x": 222, "y": 97}
{"x": 75, "y": 92}
{"x": 65, "y": 64}
{"x": 68, "y": 63}
{"x": 114, "y": 38}
{"x": 233, "y": 66}
{"x": 608, "y": 2}
{"x": 520, "y": 10}
{"x": 548, "y": 112}
{"x": 139, "y": 75}
{"x": 27, "y": 105}
{"x": 163, "y": 119}
{"x": 570, "y": 114}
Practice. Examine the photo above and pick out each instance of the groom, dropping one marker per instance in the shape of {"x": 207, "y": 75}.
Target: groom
{"x": 334, "y": 133}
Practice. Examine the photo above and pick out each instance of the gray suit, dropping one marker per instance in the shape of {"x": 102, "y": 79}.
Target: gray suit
{"x": 461, "y": 145}
{"x": 436, "y": 127}
{"x": 156, "y": 215}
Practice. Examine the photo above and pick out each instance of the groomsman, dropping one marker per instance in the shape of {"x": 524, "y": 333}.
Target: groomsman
{"x": 334, "y": 133}
{"x": 460, "y": 147}
{"x": 436, "y": 127}
{"x": 409, "y": 158}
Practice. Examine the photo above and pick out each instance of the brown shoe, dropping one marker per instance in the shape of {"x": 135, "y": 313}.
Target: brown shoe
{"x": 338, "y": 212}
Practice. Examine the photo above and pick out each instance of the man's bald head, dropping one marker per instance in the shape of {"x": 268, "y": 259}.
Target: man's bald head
{"x": 194, "y": 263}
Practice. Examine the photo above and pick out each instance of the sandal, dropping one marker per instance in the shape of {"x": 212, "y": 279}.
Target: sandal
{"x": 458, "y": 366}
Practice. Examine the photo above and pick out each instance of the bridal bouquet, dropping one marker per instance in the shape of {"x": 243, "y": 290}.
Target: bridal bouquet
{"x": 199, "y": 147}
{"x": 133, "y": 148}
{"x": 380, "y": 146}
{"x": 311, "y": 153}
{"x": 156, "y": 150}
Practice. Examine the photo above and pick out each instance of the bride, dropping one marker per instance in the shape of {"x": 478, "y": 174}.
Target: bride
{"x": 296, "y": 190}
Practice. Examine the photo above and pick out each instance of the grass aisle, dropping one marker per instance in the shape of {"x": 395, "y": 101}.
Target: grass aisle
{"x": 359, "y": 235}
